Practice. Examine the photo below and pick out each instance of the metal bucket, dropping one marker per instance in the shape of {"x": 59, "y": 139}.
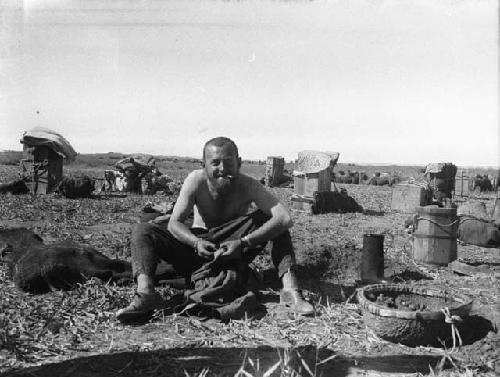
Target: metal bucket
{"x": 372, "y": 260}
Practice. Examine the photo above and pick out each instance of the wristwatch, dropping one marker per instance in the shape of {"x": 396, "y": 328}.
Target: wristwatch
{"x": 244, "y": 241}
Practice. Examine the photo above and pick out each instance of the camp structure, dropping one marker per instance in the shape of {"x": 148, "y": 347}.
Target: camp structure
{"x": 312, "y": 173}
{"x": 42, "y": 166}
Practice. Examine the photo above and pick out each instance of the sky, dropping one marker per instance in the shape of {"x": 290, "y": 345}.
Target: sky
{"x": 379, "y": 81}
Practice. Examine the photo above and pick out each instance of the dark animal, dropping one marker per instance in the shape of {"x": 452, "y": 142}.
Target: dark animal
{"x": 62, "y": 265}
{"x": 76, "y": 187}
{"x": 482, "y": 183}
{"x": 334, "y": 201}
{"x": 15, "y": 187}
{"x": 16, "y": 239}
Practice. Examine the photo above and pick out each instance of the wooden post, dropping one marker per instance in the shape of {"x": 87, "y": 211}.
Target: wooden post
{"x": 274, "y": 170}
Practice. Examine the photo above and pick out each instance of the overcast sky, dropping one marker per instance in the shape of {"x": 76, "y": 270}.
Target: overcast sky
{"x": 396, "y": 81}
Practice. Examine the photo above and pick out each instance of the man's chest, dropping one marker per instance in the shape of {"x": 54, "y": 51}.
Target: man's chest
{"x": 215, "y": 212}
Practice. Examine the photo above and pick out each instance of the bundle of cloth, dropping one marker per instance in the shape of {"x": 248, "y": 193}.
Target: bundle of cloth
{"x": 221, "y": 290}
{"x": 135, "y": 168}
{"x": 441, "y": 178}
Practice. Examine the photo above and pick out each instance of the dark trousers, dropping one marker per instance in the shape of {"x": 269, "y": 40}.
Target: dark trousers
{"x": 151, "y": 242}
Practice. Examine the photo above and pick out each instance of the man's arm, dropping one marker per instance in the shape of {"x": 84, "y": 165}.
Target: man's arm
{"x": 182, "y": 209}
{"x": 279, "y": 222}
{"x": 280, "y": 219}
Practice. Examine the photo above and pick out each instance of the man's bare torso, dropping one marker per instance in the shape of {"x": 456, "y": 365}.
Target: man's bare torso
{"x": 211, "y": 210}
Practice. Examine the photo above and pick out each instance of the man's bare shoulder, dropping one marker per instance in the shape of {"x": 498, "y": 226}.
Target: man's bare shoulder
{"x": 250, "y": 184}
{"x": 195, "y": 178}
{"x": 196, "y": 174}
{"x": 248, "y": 180}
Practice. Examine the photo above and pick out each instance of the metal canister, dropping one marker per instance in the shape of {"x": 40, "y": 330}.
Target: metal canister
{"x": 372, "y": 259}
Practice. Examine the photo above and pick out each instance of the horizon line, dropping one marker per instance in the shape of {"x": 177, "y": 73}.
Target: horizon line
{"x": 288, "y": 161}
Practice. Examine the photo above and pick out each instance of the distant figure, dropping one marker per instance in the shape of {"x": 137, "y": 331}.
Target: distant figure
{"x": 219, "y": 196}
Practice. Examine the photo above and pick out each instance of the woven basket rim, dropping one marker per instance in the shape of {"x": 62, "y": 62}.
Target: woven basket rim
{"x": 384, "y": 311}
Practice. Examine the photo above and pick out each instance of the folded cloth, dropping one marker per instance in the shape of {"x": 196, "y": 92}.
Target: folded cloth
{"x": 220, "y": 289}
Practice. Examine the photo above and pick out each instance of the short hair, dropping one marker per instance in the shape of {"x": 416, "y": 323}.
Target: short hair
{"x": 220, "y": 142}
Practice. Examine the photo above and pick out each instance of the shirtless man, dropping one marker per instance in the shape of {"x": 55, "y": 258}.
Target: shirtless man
{"x": 219, "y": 196}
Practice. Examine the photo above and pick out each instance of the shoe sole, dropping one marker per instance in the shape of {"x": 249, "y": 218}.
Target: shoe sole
{"x": 135, "y": 316}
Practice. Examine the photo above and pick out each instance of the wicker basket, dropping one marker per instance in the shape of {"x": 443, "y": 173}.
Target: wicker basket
{"x": 410, "y": 327}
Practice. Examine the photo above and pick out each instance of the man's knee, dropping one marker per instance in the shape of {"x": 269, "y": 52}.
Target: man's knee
{"x": 285, "y": 237}
{"x": 141, "y": 230}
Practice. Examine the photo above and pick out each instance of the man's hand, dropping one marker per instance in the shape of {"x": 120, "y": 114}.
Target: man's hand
{"x": 205, "y": 249}
{"x": 230, "y": 249}
{"x": 161, "y": 219}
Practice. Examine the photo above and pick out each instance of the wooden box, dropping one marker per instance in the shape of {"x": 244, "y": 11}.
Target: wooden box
{"x": 406, "y": 197}
{"x": 302, "y": 202}
{"x": 43, "y": 167}
{"x": 307, "y": 183}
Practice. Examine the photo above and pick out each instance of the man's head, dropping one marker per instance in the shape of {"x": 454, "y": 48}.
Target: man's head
{"x": 220, "y": 142}
{"x": 222, "y": 163}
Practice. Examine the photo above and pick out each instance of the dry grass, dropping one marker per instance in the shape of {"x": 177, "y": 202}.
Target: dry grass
{"x": 36, "y": 330}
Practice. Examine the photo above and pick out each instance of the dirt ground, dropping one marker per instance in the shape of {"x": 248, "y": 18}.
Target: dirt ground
{"x": 75, "y": 333}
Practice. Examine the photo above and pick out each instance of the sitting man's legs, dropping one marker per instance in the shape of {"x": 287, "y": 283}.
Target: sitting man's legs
{"x": 149, "y": 244}
{"x": 282, "y": 256}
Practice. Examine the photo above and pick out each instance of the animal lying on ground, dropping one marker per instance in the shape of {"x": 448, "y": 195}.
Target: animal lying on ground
{"x": 15, "y": 187}
{"x": 334, "y": 201}
{"x": 63, "y": 265}
{"x": 17, "y": 239}
{"x": 38, "y": 268}
{"x": 76, "y": 187}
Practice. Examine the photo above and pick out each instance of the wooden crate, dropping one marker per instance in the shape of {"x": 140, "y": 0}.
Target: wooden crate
{"x": 302, "y": 202}
{"x": 307, "y": 183}
{"x": 43, "y": 167}
{"x": 406, "y": 197}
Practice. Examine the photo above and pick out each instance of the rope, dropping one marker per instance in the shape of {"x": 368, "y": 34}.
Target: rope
{"x": 464, "y": 218}
{"x": 441, "y": 226}
{"x": 452, "y": 320}
{"x": 436, "y": 223}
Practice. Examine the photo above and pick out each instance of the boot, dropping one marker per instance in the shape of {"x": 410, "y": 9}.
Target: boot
{"x": 291, "y": 296}
{"x": 142, "y": 306}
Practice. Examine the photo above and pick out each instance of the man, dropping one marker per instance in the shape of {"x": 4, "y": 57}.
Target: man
{"x": 219, "y": 196}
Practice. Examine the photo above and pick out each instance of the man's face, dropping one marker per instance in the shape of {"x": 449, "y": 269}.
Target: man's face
{"x": 222, "y": 167}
